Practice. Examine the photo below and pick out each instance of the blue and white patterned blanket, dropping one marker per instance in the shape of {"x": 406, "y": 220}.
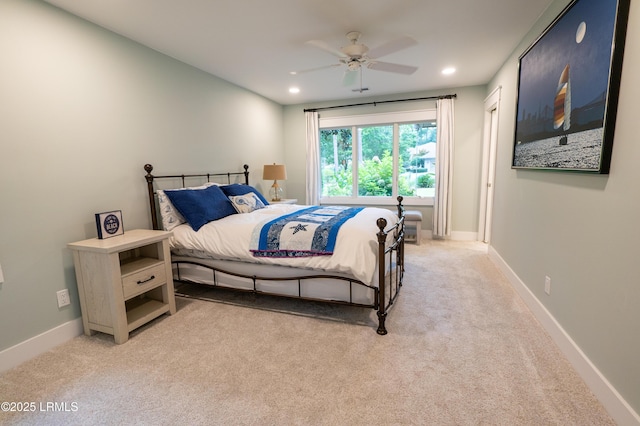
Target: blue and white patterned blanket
{"x": 307, "y": 232}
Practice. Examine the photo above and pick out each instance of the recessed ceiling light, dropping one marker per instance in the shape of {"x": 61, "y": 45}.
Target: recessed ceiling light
{"x": 448, "y": 71}
{"x": 294, "y": 90}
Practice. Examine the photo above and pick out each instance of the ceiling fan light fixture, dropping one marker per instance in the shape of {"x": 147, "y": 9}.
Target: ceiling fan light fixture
{"x": 294, "y": 90}
{"x": 448, "y": 71}
{"x": 353, "y": 65}
{"x": 356, "y": 51}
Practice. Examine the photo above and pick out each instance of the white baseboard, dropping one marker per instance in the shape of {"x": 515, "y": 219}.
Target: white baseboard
{"x": 16, "y": 355}
{"x": 455, "y": 235}
{"x": 613, "y": 402}
{"x": 464, "y": 236}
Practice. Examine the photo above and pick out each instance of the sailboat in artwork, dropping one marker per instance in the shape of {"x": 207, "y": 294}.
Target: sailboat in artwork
{"x": 562, "y": 105}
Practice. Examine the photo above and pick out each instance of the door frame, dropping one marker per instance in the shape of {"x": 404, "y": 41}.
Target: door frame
{"x": 489, "y": 153}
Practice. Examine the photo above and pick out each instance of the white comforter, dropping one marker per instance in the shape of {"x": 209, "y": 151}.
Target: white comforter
{"x": 229, "y": 238}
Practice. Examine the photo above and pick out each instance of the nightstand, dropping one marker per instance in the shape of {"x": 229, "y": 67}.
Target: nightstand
{"x": 124, "y": 281}
{"x": 285, "y": 201}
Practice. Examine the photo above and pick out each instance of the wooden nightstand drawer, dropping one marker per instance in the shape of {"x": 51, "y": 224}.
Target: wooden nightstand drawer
{"x": 143, "y": 280}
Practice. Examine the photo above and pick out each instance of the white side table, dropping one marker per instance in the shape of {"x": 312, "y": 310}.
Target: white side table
{"x": 124, "y": 281}
{"x": 284, "y": 201}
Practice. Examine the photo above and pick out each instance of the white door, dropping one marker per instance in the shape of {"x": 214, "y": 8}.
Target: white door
{"x": 490, "y": 143}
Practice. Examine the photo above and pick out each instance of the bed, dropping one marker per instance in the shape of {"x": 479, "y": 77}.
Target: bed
{"x": 353, "y": 256}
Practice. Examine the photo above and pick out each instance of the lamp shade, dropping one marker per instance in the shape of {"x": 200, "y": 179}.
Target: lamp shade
{"x": 274, "y": 172}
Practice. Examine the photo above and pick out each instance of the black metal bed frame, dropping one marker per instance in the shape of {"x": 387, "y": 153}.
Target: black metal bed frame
{"x": 390, "y": 257}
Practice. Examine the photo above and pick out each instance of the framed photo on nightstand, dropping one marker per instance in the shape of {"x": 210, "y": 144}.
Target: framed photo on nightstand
{"x": 109, "y": 224}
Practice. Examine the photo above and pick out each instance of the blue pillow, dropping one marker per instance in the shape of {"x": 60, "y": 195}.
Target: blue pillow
{"x": 241, "y": 189}
{"x": 200, "y": 206}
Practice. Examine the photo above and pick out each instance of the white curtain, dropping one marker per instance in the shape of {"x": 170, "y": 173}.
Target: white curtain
{"x": 444, "y": 169}
{"x": 313, "y": 158}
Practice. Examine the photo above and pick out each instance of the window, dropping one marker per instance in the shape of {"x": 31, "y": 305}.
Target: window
{"x": 372, "y": 159}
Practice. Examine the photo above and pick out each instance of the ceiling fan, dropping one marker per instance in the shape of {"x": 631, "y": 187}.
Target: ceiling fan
{"x": 357, "y": 55}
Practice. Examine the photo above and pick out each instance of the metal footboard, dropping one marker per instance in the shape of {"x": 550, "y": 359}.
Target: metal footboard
{"x": 387, "y": 268}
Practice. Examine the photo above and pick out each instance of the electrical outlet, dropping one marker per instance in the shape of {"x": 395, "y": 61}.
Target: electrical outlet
{"x": 63, "y": 298}
{"x": 547, "y": 285}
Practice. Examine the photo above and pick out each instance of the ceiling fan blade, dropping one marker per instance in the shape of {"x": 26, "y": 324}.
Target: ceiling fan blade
{"x": 314, "y": 69}
{"x": 349, "y": 78}
{"x": 391, "y": 47}
{"x": 324, "y": 46}
{"x": 389, "y": 67}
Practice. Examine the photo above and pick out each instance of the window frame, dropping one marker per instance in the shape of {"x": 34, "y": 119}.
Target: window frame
{"x": 394, "y": 119}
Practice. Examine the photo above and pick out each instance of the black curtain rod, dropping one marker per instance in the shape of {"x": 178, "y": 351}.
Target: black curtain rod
{"x": 383, "y": 102}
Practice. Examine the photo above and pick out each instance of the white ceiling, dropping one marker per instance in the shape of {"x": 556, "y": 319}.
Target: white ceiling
{"x": 257, "y": 43}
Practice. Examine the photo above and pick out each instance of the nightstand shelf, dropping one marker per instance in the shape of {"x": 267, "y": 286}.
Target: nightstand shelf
{"x": 130, "y": 266}
{"x": 124, "y": 282}
{"x": 141, "y": 311}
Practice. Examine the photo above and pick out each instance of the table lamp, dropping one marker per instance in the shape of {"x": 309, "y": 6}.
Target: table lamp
{"x": 274, "y": 172}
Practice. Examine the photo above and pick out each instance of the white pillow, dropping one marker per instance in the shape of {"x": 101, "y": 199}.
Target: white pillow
{"x": 171, "y": 217}
{"x": 246, "y": 203}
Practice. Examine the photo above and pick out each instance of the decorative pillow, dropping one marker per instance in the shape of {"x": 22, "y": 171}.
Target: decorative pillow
{"x": 170, "y": 216}
{"x": 241, "y": 189}
{"x": 201, "y": 206}
{"x": 246, "y": 203}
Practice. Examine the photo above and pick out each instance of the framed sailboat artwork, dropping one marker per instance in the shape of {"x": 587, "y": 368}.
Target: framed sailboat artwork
{"x": 568, "y": 86}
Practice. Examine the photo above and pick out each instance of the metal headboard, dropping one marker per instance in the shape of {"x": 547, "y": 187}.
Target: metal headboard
{"x": 151, "y": 191}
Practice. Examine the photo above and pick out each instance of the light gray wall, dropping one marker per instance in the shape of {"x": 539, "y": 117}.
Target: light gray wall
{"x": 467, "y": 146}
{"x": 81, "y": 111}
{"x": 580, "y": 230}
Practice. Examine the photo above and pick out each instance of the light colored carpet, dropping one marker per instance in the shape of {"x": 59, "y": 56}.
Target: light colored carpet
{"x": 462, "y": 349}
